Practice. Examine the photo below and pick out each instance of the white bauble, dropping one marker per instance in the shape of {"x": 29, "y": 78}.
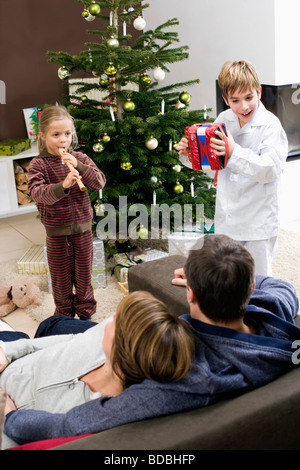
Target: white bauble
{"x": 89, "y": 17}
{"x": 151, "y": 143}
{"x": 158, "y": 74}
{"x": 139, "y": 23}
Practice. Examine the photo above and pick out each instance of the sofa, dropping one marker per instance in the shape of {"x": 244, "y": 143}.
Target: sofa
{"x": 264, "y": 419}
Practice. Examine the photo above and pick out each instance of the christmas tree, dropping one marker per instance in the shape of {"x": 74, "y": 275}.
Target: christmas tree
{"x": 126, "y": 121}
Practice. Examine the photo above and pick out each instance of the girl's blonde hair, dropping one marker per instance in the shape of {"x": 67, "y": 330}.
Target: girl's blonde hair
{"x": 238, "y": 76}
{"x": 48, "y": 115}
{"x": 150, "y": 342}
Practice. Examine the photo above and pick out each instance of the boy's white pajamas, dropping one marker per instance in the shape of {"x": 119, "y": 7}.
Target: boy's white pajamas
{"x": 247, "y": 207}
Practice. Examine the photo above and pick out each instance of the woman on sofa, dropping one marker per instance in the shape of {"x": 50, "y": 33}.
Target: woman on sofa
{"x": 142, "y": 341}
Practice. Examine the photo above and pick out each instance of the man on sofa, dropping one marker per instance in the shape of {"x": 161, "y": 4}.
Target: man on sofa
{"x": 244, "y": 328}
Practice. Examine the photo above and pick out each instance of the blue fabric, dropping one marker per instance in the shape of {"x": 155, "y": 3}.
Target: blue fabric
{"x": 61, "y": 325}
{"x": 12, "y": 335}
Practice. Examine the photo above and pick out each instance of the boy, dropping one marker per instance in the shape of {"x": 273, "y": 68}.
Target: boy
{"x": 247, "y": 192}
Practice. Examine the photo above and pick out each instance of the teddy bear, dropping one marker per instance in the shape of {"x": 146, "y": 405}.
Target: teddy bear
{"x": 22, "y": 293}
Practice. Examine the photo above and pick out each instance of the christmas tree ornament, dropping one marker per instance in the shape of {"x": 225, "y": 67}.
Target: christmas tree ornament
{"x": 84, "y": 98}
{"x": 111, "y": 70}
{"x": 112, "y": 114}
{"x": 105, "y": 138}
{"x": 151, "y": 143}
{"x": 63, "y": 73}
{"x": 104, "y": 81}
{"x": 179, "y": 105}
{"x": 185, "y": 97}
{"x": 98, "y": 147}
{"x": 113, "y": 42}
{"x": 175, "y": 145}
{"x": 177, "y": 168}
{"x": 153, "y": 179}
{"x": 145, "y": 79}
{"x": 142, "y": 232}
{"x": 124, "y": 12}
{"x": 139, "y": 23}
{"x": 129, "y": 106}
{"x": 94, "y": 8}
{"x": 158, "y": 74}
{"x": 87, "y": 16}
{"x": 154, "y": 198}
{"x": 99, "y": 207}
{"x": 178, "y": 188}
{"x": 126, "y": 166}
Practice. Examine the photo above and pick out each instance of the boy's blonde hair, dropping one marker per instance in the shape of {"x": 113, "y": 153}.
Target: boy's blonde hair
{"x": 150, "y": 342}
{"x": 238, "y": 76}
{"x": 48, "y": 115}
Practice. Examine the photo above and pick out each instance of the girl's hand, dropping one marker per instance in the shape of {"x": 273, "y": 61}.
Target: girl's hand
{"x": 71, "y": 178}
{"x": 182, "y": 146}
{"x": 70, "y": 158}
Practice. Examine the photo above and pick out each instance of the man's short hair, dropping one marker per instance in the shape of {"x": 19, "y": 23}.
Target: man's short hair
{"x": 221, "y": 275}
{"x": 238, "y": 76}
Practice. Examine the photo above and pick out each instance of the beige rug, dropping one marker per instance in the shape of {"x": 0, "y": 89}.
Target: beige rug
{"x": 286, "y": 266}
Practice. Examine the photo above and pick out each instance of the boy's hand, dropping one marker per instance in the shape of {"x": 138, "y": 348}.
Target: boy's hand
{"x": 182, "y": 146}
{"x": 218, "y": 145}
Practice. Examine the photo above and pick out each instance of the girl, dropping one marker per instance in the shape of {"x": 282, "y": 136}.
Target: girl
{"x": 142, "y": 341}
{"x": 65, "y": 211}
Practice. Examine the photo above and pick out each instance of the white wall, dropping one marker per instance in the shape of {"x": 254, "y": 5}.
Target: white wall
{"x": 287, "y": 25}
{"x": 261, "y": 31}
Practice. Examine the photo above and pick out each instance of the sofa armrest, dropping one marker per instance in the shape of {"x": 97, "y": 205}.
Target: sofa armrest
{"x": 155, "y": 277}
{"x": 264, "y": 419}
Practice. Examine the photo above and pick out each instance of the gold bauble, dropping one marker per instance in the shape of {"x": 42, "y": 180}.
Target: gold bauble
{"x": 129, "y": 106}
{"x": 94, "y": 9}
{"x": 142, "y": 232}
{"x": 105, "y": 138}
{"x": 178, "y": 188}
{"x": 98, "y": 147}
{"x": 145, "y": 79}
{"x": 111, "y": 70}
{"x": 126, "y": 166}
{"x": 185, "y": 97}
{"x": 63, "y": 73}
